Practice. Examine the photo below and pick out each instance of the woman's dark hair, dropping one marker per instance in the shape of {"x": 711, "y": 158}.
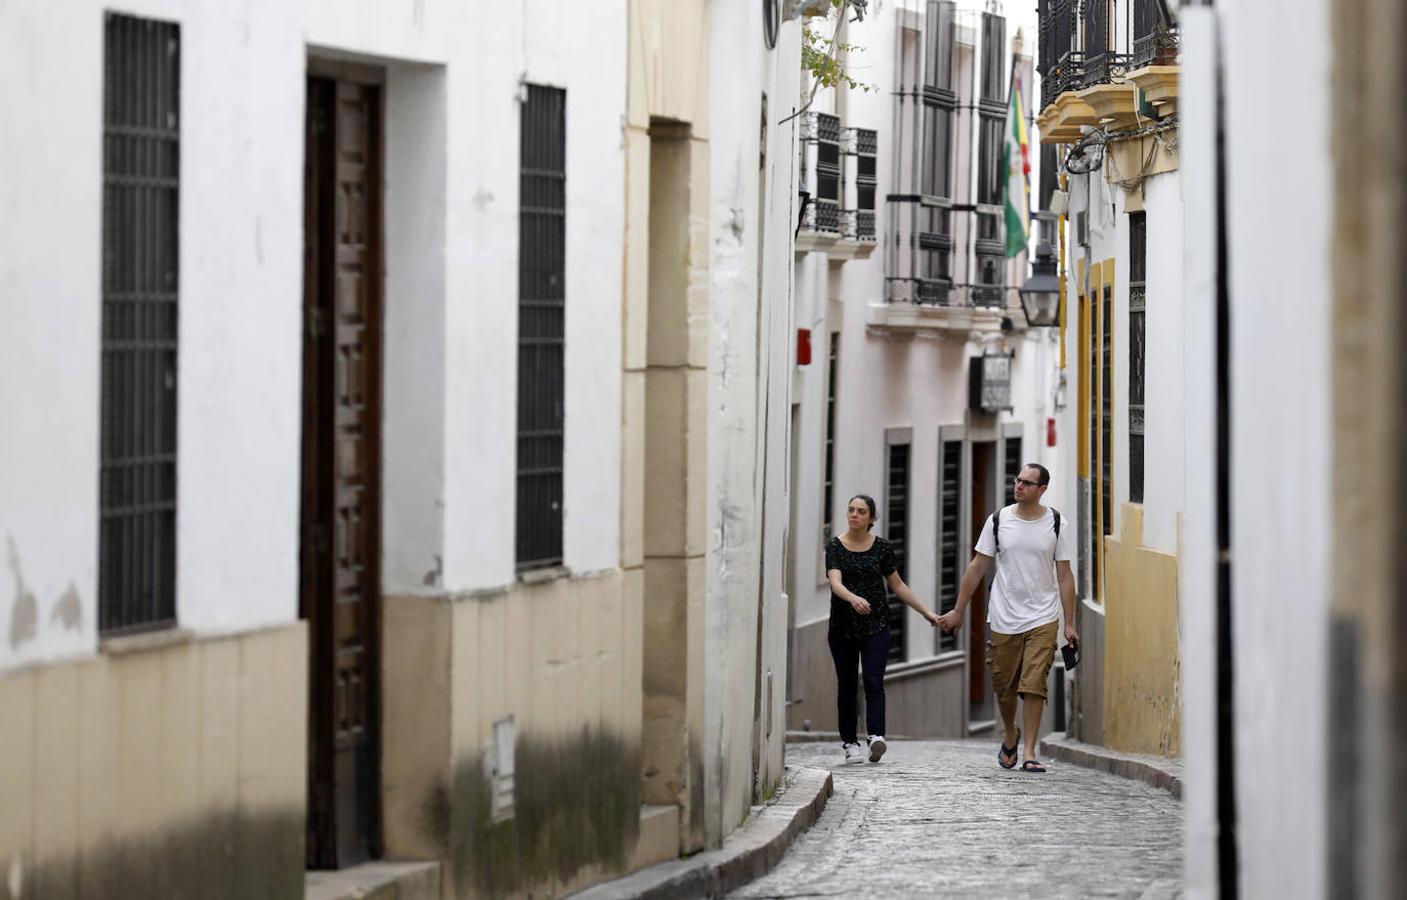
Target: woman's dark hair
{"x": 1044, "y": 478}
{"x": 869, "y": 501}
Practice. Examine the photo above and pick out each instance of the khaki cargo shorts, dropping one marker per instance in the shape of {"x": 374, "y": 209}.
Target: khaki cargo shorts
{"x": 1019, "y": 663}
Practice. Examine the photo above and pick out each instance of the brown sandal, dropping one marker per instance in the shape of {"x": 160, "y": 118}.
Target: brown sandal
{"x": 1009, "y": 752}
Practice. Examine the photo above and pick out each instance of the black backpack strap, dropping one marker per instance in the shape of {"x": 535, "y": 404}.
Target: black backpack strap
{"x": 1057, "y": 530}
{"x": 996, "y": 530}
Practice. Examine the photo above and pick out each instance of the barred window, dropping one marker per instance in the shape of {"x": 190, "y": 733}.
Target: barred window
{"x": 140, "y": 288}
{"x": 994, "y": 58}
{"x": 949, "y": 546}
{"x": 832, "y": 372}
{"x": 828, "y": 158}
{"x": 896, "y": 525}
{"x": 1138, "y": 267}
{"x": 866, "y": 148}
{"x": 1106, "y": 409}
{"x": 541, "y": 325}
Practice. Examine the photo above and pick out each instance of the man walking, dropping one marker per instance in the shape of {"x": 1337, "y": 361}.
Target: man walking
{"x": 1033, "y": 581}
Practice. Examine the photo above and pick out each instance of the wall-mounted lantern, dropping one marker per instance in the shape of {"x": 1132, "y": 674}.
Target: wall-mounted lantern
{"x": 1040, "y": 295}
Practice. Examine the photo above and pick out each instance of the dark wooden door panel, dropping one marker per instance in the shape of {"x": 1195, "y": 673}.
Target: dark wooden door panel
{"x": 342, "y": 467}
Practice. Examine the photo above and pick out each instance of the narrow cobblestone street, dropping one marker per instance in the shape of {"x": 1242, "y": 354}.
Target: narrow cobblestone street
{"x": 940, "y": 818}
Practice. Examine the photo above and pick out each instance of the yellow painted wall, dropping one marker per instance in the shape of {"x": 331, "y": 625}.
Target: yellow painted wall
{"x": 174, "y": 769}
{"x": 1142, "y": 680}
{"x": 563, "y": 659}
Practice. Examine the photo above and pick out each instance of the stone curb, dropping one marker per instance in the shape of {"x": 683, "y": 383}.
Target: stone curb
{"x": 1155, "y": 770}
{"x": 833, "y": 737}
{"x": 812, "y": 737}
{"x": 748, "y": 853}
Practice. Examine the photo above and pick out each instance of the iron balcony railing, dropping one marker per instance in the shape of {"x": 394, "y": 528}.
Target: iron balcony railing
{"x": 1159, "y": 48}
{"x": 1081, "y": 43}
{"x": 857, "y": 225}
{"x": 943, "y": 293}
{"x": 1102, "y": 68}
{"x": 920, "y": 291}
{"x": 822, "y": 214}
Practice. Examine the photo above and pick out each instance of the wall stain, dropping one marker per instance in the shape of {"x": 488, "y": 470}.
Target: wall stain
{"x": 68, "y": 612}
{"x": 432, "y": 577}
{"x": 24, "y": 615}
{"x": 576, "y": 804}
{"x": 221, "y": 856}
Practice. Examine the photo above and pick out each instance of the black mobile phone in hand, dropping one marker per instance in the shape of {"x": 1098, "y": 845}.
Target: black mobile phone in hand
{"x": 1071, "y": 652}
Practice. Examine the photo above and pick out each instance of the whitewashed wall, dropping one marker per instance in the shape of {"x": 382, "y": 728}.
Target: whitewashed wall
{"x": 1163, "y": 466}
{"x": 581, "y": 48}
{"x": 1197, "y": 583}
{"x": 1281, "y": 505}
{"x": 414, "y": 319}
{"x": 240, "y": 273}
{"x": 1281, "y": 376}
{"x": 748, "y": 413}
{"x": 451, "y": 295}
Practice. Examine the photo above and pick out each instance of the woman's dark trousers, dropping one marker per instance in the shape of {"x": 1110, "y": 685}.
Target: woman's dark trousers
{"x": 849, "y": 653}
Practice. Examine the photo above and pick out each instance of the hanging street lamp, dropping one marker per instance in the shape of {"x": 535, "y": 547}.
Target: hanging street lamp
{"x": 1040, "y": 295}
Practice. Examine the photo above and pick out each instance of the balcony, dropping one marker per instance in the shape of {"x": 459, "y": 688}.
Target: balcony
{"x": 838, "y": 174}
{"x": 1154, "y": 68}
{"x": 915, "y": 307}
{"x": 857, "y": 235}
{"x": 820, "y": 226}
{"x": 1099, "y": 85}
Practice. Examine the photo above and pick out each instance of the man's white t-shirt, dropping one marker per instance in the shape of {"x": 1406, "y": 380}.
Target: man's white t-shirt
{"x": 1025, "y": 593}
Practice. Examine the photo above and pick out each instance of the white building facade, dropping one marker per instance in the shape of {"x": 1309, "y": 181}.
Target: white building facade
{"x": 1109, "y": 108}
{"x": 325, "y": 541}
{"x": 903, "y": 287}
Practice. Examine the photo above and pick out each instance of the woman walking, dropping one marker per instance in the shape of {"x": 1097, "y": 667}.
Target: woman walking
{"x": 858, "y": 564}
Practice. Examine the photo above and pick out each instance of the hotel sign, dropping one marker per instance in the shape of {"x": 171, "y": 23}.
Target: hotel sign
{"x": 989, "y": 382}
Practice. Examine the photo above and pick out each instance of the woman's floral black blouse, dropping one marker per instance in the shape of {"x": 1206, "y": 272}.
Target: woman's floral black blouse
{"x": 864, "y": 574}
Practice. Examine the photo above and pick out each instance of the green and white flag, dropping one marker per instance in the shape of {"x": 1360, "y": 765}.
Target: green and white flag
{"x": 1016, "y": 159}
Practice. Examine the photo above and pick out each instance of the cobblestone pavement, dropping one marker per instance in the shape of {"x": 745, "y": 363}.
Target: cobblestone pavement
{"x": 940, "y": 818}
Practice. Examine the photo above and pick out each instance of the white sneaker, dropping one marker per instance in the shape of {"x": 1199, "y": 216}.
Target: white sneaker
{"x": 877, "y": 747}
{"x": 852, "y": 753}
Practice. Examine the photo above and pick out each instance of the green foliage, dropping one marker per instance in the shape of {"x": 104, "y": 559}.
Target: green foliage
{"x": 819, "y": 53}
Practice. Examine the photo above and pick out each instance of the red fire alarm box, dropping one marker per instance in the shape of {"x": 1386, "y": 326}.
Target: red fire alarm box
{"x": 803, "y": 346}
{"x": 1050, "y": 432}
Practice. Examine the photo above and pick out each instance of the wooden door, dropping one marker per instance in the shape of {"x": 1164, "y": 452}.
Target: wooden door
{"x": 341, "y": 467}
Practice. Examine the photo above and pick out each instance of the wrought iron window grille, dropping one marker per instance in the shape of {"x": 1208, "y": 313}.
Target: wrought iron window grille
{"x": 859, "y": 146}
{"x": 918, "y": 243}
{"x": 140, "y": 308}
{"x": 832, "y": 387}
{"x": 949, "y": 549}
{"x": 541, "y": 327}
{"x": 897, "y": 533}
{"x": 1138, "y": 295}
{"x": 821, "y": 171}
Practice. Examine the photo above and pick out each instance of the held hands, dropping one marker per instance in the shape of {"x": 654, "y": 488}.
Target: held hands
{"x": 949, "y": 621}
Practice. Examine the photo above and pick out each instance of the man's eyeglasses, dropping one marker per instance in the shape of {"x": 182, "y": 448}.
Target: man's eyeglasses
{"x": 1029, "y": 484}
